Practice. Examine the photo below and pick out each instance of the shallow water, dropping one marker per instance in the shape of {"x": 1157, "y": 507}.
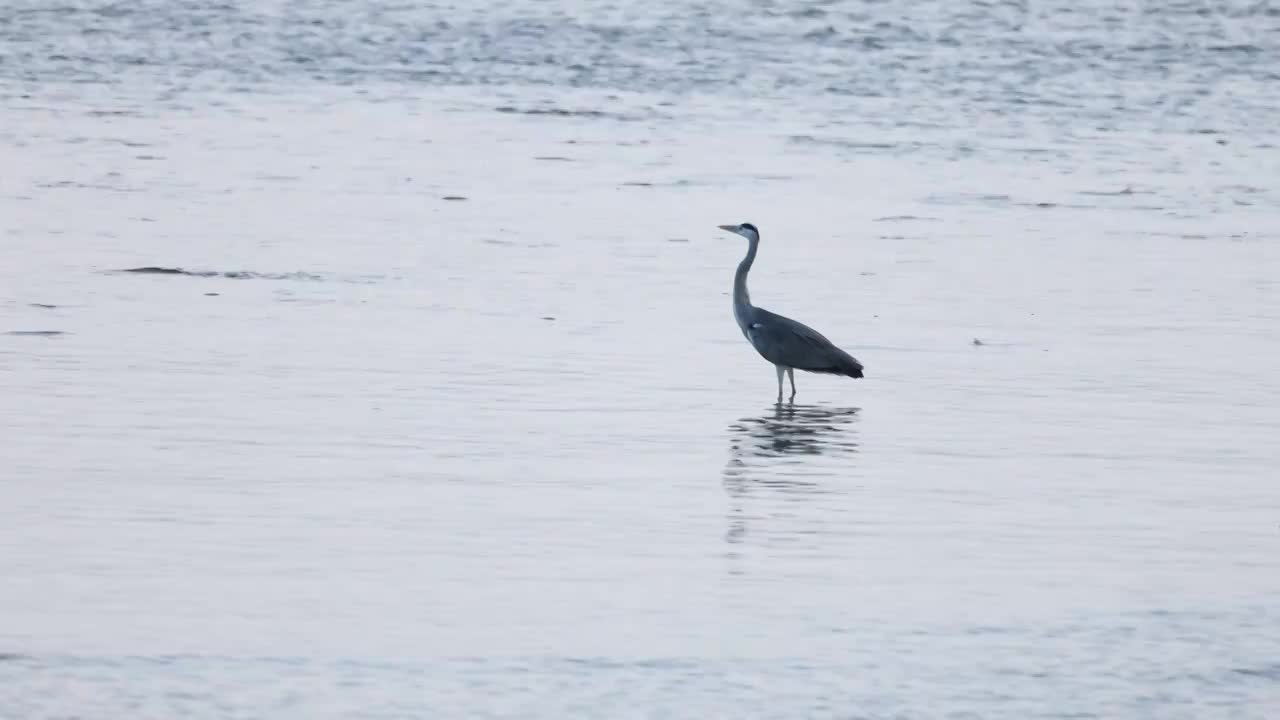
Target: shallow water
{"x": 447, "y": 415}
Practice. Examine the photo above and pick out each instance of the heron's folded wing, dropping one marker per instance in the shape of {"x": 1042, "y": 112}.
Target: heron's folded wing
{"x": 784, "y": 341}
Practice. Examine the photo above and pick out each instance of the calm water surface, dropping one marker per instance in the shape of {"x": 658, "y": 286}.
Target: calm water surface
{"x": 379, "y": 453}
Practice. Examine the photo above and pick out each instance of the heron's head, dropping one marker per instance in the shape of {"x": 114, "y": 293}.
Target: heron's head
{"x": 746, "y": 230}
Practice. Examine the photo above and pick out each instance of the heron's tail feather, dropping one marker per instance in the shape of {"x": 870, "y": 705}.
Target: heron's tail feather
{"x": 851, "y": 367}
{"x": 846, "y": 364}
{"x": 841, "y": 364}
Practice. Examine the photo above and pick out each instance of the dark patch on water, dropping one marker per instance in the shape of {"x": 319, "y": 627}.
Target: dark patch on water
{"x": 237, "y": 274}
{"x": 11, "y": 657}
{"x": 155, "y": 270}
{"x": 1268, "y": 672}
{"x": 552, "y": 112}
{"x": 1248, "y": 189}
{"x": 1243, "y": 48}
{"x": 45, "y": 306}
{"x": 554, "y": 158}
{"x": 63, "y": 184}
{"x": 1185, "y": 236}
{"x": 821, "y": 33}
{"x": 1050, "y": 205}
{"x": 841, "y": 142}
{"x": 1039, "y": 205}
{"x": 967, "y": 198}
{"x": 454, "y": 198}
{"x": 1111, "y": 193}
{"x": 808, "y": 12}
{"x": 36, "y": 333}
{"x": 904, "y": 218}
{"x": 636, "y": 183}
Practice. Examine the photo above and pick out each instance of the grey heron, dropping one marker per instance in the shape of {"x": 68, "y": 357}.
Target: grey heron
{"x": 789, "y": 345}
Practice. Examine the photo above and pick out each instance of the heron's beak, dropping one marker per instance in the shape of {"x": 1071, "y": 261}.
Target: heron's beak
{"x": 730, "y": 228}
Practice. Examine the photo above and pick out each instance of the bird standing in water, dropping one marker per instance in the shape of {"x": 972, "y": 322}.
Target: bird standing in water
{"x": 789, "y": 345}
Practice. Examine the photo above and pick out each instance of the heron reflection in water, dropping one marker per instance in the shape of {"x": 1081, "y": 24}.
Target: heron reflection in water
{"x": 795, "y": 430}
{"x": 791, "y": 449}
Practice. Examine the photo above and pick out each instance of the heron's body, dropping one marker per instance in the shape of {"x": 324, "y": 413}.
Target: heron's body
{"x": 788, "y": 344}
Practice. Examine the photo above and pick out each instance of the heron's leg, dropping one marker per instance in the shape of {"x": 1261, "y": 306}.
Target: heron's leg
{"x": 791, "y": 375}
{"x": 780, "y": 371}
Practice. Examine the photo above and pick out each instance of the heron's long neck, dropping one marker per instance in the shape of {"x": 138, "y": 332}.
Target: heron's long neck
{"x": 742, "y": 300}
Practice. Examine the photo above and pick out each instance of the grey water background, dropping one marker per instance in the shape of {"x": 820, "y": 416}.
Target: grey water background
{"x": 387, "y": 454}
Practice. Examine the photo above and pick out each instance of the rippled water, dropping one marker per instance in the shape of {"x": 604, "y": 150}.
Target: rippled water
{"x": 378, "y": 361}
